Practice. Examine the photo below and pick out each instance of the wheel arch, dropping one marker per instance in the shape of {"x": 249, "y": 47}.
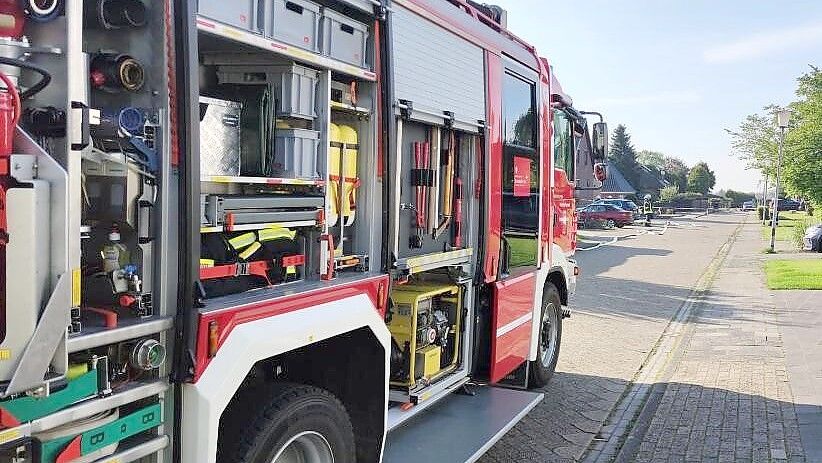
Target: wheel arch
{"x": 550, "y": 275}
{"x": 325, "y": 334}
{"x": 556, "y": 276}
{"x": 329, "y": 365}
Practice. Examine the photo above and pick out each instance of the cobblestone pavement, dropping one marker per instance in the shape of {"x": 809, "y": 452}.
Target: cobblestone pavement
{"x": 626, "y": 296}
{"x": 729, "y": 398}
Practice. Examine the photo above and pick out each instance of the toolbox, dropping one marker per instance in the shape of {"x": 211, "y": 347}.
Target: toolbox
{"x": 244, "y": 14}
{"x": 220, "y": 141}
{"x": 344, "y": 38}
{"x": 295, "y": 153}
{"x": 295, "y": 22}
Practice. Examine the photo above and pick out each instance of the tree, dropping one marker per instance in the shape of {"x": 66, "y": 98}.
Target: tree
{"x": 651, "y": 159}
{"x": 737, "y": 197}
{"x": 623, "y": 155}
{"x": 701, "y": 179}
{"x": 667, "y": 194}
{"x": 676, "y": 172}
{"x": 803, "y": 150}
{"x": 756, "y": 141}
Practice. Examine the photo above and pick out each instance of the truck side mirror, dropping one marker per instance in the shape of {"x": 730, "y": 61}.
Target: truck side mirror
{"x": 600, "y": 172}
{"x": 600, "y": 141}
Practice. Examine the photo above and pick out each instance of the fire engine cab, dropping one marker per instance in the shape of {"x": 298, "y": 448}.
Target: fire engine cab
{"x": 278, "y": 230}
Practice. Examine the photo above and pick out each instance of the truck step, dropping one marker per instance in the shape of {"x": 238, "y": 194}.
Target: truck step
{"x": 460, "y": 428}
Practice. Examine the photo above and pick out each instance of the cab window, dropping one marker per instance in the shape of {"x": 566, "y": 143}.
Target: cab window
{"x": 521, "y": 174}
{"x": 563, "y": 143}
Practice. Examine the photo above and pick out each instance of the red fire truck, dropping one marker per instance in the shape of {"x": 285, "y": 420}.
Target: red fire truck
{"x": 278, "y": 230}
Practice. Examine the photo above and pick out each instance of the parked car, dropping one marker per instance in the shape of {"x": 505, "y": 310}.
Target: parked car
{"x": 813, "y": 238}
{"x": 607, "y": 214}
{"x": 624, "y": 204}
{"x": 749, "y": 205}
{"x": 787, "y": 204}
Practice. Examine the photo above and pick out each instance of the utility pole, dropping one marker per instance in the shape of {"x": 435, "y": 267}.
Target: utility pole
{"x": 783, "y": 118}
{"x": 765, "y": 201}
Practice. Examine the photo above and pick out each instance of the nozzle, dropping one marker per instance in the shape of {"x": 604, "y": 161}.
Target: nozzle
{"x": 110, "y": 71}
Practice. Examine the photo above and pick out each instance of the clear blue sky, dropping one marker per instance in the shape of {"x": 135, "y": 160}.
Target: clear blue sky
{"x": 676, "y": 73}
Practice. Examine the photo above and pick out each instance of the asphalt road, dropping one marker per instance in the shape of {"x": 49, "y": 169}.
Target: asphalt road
{"x": 627, "y": 294}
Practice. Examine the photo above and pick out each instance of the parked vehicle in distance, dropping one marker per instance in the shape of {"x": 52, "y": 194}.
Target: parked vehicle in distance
{"x": 749, "y": 205}
{"x": 608, "y": 214}
{"x": 813, "y": 238}
{"x": 786, "y": 204}
{"x": 625, "y": 204}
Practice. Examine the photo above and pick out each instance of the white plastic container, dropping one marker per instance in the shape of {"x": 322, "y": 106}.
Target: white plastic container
{"x": 344, "y": 39}
{"x": 295, "y": 153}
{"x": 244, "y": 14}
{"x": 296, "y": 22}
{"x": 295, "y": 89}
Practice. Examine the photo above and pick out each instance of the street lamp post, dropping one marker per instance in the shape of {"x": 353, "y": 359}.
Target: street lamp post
{"x": 783, "y": 118}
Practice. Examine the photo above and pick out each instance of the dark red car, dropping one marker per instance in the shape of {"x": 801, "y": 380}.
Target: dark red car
{"x": 605, "y": 214}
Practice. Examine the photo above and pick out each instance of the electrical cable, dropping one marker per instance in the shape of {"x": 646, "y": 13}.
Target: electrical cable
{"x": 34, "y": 89}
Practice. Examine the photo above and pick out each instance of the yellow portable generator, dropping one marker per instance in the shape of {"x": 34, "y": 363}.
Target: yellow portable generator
{"x": 426, "y": 324}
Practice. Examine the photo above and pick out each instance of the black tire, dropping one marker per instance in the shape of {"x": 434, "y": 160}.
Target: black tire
{"x": 289, "y": 414}
{"x": 541, "y": 369}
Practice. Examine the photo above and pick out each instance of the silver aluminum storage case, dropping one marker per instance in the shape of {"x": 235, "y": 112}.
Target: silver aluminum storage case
{"x": 244, "y": 14}
{"x": 219, "y": 137}
{"x": 295, "y": 153}
{"x": 343, "y": 38}
{"x": 296, "y": 22}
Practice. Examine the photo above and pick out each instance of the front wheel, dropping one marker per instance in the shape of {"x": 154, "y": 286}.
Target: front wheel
{"x": 610, "y": 223}
{"x": 297, "y": 423}
{"x": 550, "y": 335}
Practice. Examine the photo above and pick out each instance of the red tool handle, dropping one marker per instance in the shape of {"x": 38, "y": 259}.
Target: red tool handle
{"x": 418, "y": 166}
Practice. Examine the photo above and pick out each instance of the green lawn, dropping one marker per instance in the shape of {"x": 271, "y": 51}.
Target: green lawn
{"x": 791, "y": 227}
{"x": 794, "y": 274}
{"x": 784, "y": 230}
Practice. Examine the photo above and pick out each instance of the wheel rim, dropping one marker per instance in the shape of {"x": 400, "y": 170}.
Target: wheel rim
{"x": 306, "y": 447}
{"x": 548, "y": 335}
{"x": 611, "y": 223}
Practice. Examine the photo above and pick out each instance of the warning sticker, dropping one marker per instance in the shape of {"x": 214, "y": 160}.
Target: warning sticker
{"x": 522, "y": 176}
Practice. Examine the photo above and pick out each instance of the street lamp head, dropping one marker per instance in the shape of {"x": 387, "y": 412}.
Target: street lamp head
{"x": 783, "y": 118}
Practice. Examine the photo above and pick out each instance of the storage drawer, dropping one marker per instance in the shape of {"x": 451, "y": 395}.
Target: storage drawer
{"x": 245, "y": 14}
{"x": 295, "y": 153}
{"x": 344, "y": 38}
{"x": 219, "y": 137}
{"x": 296, "y": 22}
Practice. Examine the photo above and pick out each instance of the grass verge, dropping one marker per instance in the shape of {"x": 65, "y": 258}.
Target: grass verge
{"x": 794, "y": 274}
{"x": 791, "y": 227}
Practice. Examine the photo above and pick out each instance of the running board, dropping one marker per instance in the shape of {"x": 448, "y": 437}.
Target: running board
{"x": 460, "y": 428}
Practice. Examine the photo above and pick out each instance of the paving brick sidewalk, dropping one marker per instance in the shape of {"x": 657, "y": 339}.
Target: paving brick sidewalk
{"x": 729, "y": 398}
{"x": 626, "y": 296}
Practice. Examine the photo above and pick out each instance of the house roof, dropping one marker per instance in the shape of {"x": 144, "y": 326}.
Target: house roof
{"x": 616, "y": 182}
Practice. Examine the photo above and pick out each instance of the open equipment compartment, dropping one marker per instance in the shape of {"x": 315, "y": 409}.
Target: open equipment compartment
{"x": 289, "y": 216}
{"x": 93, "y": 154}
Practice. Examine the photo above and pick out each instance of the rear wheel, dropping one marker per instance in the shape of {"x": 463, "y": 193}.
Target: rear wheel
{"x": 550, "y": 335}
{"x": 296, "y": 423}
{"x": 610, "y": 223}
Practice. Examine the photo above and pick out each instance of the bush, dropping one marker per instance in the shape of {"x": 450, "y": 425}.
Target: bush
{"x": 763, "y": 210}
{"x": 798, "y": 230}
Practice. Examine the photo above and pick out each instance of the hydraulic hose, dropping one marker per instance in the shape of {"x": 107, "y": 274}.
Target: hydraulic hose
{"x": 42, "y": 10}
{"x": 45, "y": 76}
{"x": 15, "y": 97}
